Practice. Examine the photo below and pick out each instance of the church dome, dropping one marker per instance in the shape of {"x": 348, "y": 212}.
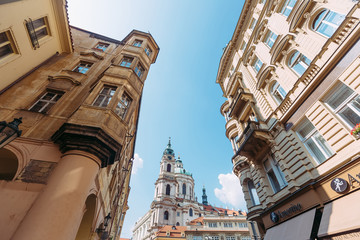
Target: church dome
{"x": 169, "y": 150}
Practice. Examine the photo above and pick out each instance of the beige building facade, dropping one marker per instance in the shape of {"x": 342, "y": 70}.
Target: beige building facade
{"x": 78, "y": 95}
{"x": 290, "y": 79}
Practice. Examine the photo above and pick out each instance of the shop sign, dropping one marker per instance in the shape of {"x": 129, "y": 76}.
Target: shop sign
{"x": 276, "y": 216}
{"x": 339, "y": 185}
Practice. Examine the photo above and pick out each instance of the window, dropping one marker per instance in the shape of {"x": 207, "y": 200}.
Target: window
{"x": 243, "y": 46}
{"x": 274, "y": 174}
{"x": 242, "y": 224}
{"x": 278, "y": 92}
{"x": 168, "y": 168}
{"x": 245, "y": 238}
{"x": 139, "y": 70}
{"x": 270, "y": 39}
{"x": 257, "y": 64}
{"x": 299, "y": 63}
{"x": 178, "y": 214}
{"x": 7, "y": 46}
{"x": 126, "y": 62}
{"x": 253, "y": 23}
{"x": 166, "y": 215}
{"x": 313, "y": 141}
{"x": 288, "y": 6}
{"x": 46, "y": 101}
{"x": 197, "y": 238}
{"x": 184, "y": 188}
{"x": 212, "y": 224}
{"x": 37, "y": 29}
{"x": 345, "y": 103}
{"x": 214, "y": 237}
{"x": 137, "y": 43}
{"x": 101, "y": 46}
{"x": 82, "y": 67}
{"x": 167, "y": 189}
{"x": 252, "y": 192}
{"x": 326, "y": 22}
{"x": 105, "y": 96}
{"x": 230, "y": 237}
{"x": 123, "y": 105}
{"x": 191, "y": 212}
{"x": 228, "y": 225}
{"x": 148, "y": 51}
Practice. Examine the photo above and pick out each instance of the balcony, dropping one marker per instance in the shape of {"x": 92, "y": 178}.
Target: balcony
{"x": 241, "y": 104}
{"x": 255, "y": 141}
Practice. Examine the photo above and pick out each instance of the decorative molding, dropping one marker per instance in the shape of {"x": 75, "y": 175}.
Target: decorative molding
{"x": 260, "y": 30}
{"x": 279, "y": 48}
{"x": 248, "y": 55}
{"x": 264, "y": 76}
{"x": 89, "y": 139}
{"x": 298, "y": 13}
{"x": 64, "y": 77}
{"x": 94, "y": 54}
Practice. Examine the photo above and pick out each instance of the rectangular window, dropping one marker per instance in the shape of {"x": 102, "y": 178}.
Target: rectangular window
{"x": 245, "y": 238}
{"x": 137, "y": 43}
{"x": 46, "y": 101}
{"x": 139, "y": 70}
{"x": 37, "y": 29}
{"x": 197, "y": 238}
{"x": 214, "y": 237}
{"x": 148, "y": 51}
{"x": 244, "y": 225}
{"x": 105, "y": 96}
{"x": 287, "y": 8}
{"x": 257, "y": 64}
{"x": 270, "y": 39}
{"x": 274, "y": 174}
{"x": 230, "y": 237}
{"x": 243, "y": 45}
{"x": 123, "y": 105}
{"x": 253, "y": 23}
{"x": 212, "y": 224}
{"x": 126, "y": 62}
{"x": 345, "y": 103}
{"x": 229, "y": 225}
{"x": 82, "y": 67}
{"x": 313, "y": 141}
{"x": 178, "y": 214}
{"x": 7, "y": 46}
{"x": 102, "y": 46}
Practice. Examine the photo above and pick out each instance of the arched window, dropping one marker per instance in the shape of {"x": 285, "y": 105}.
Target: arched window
{"x": 299, "y": 63}
{"x": 278, "y": 92}
{"x": 190, "y": 212}
{"x": 168, "y": 168}
{"x": 177, "y": 224}
{"x": 184, "y": 188}
{"x": 8, "y": 165}
{"x": 166, "y": 215}
{"x": 167, "y": 189}
{"x": 287, "y": 7}
{"x": 253, "y": 194}
{"x": 326, "y": 22}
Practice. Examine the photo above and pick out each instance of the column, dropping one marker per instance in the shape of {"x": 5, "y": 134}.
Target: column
{"x": 57, "y": 212}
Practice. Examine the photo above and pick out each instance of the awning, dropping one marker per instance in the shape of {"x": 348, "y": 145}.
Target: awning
{"x": 297, "y": 228}
{"x": 341, "y": 215}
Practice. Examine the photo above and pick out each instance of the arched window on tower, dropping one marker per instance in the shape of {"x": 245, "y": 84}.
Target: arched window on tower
{"x": 167, "y": 189}
{"x": 184, "y": 188}
{"x": 190, "y": 212}
{"x": 166, "y": 215}
{"x": 168, "y": 168}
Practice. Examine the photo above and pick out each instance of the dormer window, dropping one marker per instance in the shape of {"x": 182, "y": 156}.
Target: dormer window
{"x": 137, "y": 43}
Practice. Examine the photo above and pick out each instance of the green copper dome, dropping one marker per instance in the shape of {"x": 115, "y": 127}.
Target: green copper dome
{"x": 169, "y": 150}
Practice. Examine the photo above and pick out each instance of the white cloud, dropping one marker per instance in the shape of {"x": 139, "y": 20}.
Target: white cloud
{"x": 138, "y": 163}
{"x": 231, "y": 191}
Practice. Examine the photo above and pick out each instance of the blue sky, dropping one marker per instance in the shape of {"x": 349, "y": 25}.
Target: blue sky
{"x": 181, "y": 99}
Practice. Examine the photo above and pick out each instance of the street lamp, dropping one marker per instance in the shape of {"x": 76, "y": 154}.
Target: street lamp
{"x": 105, "y": 224}
{"x": 9, "y": 131}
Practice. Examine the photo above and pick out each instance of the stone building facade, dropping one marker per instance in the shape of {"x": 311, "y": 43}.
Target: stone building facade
{"x": 78, "y": 94}
{"x": 290, "y": 78}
